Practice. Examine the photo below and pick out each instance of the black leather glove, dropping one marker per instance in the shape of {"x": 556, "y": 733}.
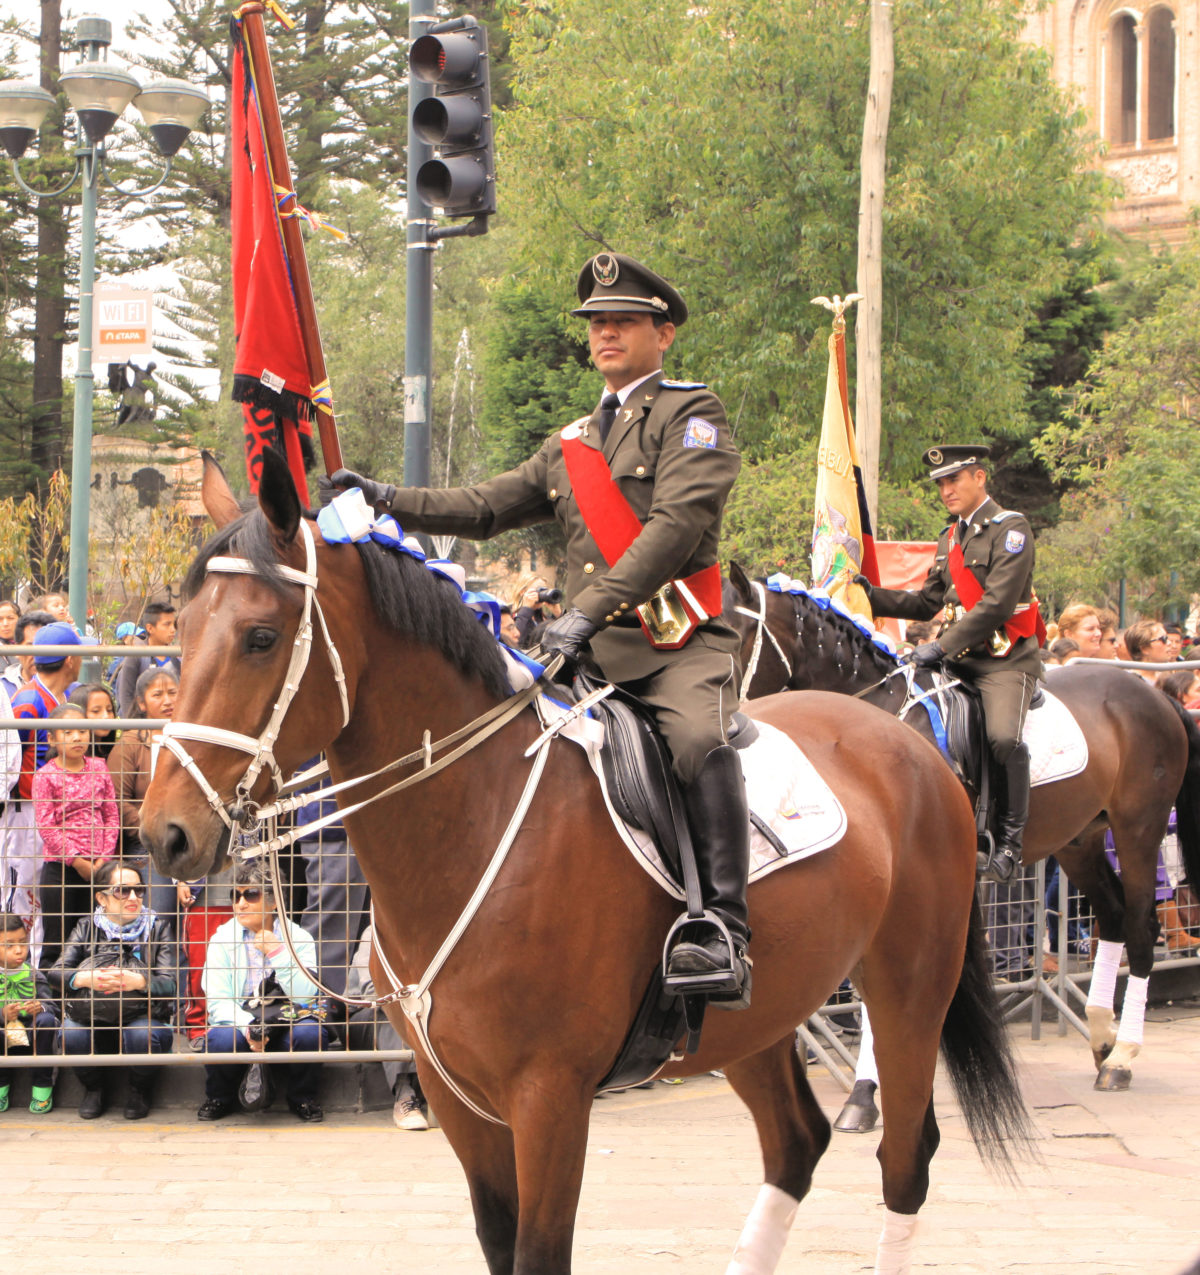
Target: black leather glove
{"x": 568, "y": 635}
{"x": 374, "y": 493}
{"x": 864, "y": 584}
{"x": 928, "y": 655}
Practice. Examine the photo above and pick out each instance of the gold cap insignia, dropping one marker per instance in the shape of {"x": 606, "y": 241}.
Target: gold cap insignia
{"x": 605, "y": 269}
{"x": 935, "y": 456}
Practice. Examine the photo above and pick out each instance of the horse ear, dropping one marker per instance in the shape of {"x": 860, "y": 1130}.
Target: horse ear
{"x": 215, "y": 495}
{"x": 739, "y": 580}
{"x": 277, "y": 495}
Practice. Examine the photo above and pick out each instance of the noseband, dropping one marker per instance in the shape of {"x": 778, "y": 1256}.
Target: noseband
{"x": 262, "y": 748}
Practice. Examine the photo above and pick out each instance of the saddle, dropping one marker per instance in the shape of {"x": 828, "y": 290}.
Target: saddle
{"x": 969, "y": 754}
{"x": 643, "y": 792}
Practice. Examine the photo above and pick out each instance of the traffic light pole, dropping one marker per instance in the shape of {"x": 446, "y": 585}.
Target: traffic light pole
{"x": 418, "y": 294}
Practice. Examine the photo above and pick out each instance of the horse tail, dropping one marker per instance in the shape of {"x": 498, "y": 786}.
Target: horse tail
{"x": 976, "y": 1049}
{"x": 1187, "y": 803}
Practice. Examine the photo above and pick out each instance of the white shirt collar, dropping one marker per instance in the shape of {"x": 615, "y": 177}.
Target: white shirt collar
{"x": 624, "y": 392}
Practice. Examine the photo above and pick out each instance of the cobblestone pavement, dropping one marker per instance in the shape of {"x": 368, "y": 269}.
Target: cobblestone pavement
{"x": 670, "y": 1174}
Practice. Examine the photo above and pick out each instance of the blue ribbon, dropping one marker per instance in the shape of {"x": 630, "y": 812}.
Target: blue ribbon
{"x": 348, "y": 518}
{"x": 781, "y": 583}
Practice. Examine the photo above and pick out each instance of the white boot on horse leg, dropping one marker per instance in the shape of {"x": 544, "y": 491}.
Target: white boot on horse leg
{"x": 761, "y": 1242}
{"x": 860, "y": 1113}
{"x": 1116, "y": 1073}
{"x": 896, "y": 1243}
{"x": 1101, "y": 996}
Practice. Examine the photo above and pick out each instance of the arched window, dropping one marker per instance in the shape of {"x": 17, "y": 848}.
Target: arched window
{"x": 1139, "y": 78}
{"x": 1160, "y": 75}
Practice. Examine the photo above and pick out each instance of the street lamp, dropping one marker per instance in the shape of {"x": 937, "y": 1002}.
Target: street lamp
{"x": 98, "y": 93}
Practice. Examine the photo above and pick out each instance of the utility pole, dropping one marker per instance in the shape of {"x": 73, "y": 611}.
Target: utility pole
{"x": 869, "y": 323}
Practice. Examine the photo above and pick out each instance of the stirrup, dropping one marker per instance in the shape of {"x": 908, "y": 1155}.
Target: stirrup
{"x": 730, "y": 983}
{"x": 992, "y": 870}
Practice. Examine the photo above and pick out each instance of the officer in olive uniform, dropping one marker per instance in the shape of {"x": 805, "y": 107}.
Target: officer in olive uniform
{"x": 1005, "y": 666}
{"x": 669, "y": 450}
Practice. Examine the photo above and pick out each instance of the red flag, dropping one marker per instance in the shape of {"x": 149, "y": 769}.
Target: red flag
{"x": 270, "y": 371}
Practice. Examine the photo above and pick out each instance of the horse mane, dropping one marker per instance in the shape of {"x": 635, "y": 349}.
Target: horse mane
{"x": 407, "y": 598}
{"x": 834, "y": 629}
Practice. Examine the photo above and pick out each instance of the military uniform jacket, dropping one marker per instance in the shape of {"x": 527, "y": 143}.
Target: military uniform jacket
{"x": 671, "y": 454}
{"x": 999, "y": 551}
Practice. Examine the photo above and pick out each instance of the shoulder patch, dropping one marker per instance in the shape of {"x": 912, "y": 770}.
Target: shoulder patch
{"x": 699, "y": 433}
{"x": 682, "y": 385}
{"x": 1014, "y": 542}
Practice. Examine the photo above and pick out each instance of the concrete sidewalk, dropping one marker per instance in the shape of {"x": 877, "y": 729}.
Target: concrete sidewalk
{"x": 670, "y": 1175}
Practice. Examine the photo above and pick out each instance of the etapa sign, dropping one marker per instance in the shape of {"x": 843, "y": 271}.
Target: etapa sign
{"x": 122, "y": 324}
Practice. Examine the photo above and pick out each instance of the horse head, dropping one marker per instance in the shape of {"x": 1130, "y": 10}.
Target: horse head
{"x": 243, "y": 622}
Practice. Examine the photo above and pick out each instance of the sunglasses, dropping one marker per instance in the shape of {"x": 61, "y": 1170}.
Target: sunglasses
{"x": 253, "y": 895}
{"x": 1162, "y": 637}
{"x": 126, "y": 891}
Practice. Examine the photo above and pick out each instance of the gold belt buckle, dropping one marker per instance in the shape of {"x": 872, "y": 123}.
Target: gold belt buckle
{"x": 666, "y": 620}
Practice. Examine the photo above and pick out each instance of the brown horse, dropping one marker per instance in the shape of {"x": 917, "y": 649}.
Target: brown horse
{"x": 1143, "y": 759}
{"x": 530, "y": 1007}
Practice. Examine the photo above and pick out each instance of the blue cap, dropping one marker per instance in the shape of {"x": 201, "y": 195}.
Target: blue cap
{"x": 58, "y": 634}
{"x": 125, "y": 629}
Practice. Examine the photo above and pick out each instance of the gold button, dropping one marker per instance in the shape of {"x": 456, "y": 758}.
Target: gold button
{"x": 624, "y": 606}
{"x": 640, "y": 470}
{"x": 588, "y": 568}
{"x": 608, "y": 619}
{"x": 553, "y": 492}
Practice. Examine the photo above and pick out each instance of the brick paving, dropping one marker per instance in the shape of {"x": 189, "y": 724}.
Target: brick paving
{"x": 670, "y": 1174}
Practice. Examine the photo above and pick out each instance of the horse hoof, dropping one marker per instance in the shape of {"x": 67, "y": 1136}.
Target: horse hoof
{"x": 1114, "y": 1079}
{"x": 860, "y": 1114}
{"x": 1099, "y": 1055}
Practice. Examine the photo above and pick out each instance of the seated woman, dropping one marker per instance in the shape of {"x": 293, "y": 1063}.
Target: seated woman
{"x": 243, "y": 955}
{"x": 116, "y": 981}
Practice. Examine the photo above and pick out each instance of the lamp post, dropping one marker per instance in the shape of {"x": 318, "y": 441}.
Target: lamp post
{"x": 98, "y": 93}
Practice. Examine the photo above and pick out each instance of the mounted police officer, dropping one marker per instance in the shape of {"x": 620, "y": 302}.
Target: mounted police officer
{"x": 638, "y": 488}
{"x": 983, "y": 575}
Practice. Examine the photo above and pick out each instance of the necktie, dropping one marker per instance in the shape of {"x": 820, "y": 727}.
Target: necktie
{"x": 961, "y": 532}
{"x": 608, "y": 413}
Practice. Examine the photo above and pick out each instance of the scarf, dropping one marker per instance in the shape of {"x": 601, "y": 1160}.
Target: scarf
{"x": 136, "y": 931}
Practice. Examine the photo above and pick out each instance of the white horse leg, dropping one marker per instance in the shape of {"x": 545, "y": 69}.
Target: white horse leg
{"x": 1101, "y": 997}
{"x": 896, "y": 1243}
{"x": 860, "y": 1114}
{"x": 761, "y": 1242}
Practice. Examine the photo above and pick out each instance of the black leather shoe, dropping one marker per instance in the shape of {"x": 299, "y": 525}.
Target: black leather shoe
{"x": 137, "y": 1105}
{"x": 92, "y": 1104}
{"x": 309, "y": 1112}
{"x": 1002, "y": 866}
{"x": 217, "y": 1108}
{"x": 706, "y": 957}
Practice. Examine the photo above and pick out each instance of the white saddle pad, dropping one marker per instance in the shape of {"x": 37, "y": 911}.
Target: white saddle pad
{"x": 1057, "y": 747}
{"x": 783, "y": 789}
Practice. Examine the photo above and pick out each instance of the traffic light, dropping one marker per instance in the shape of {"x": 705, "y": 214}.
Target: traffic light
{"x": 457, "y": 121}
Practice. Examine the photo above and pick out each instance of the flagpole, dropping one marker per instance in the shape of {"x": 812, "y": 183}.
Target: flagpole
{"x": 251, "y": 15}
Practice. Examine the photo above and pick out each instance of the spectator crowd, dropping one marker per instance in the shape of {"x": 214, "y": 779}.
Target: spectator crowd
{"x": 100, "y": 953}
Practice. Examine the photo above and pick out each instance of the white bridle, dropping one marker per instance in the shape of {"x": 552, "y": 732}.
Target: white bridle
{"x": 262, "y": 748}
{"x": 761, "y": 627}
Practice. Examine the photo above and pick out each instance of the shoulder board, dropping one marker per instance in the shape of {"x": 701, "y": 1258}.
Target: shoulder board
{"x": 1005, "y": 513}
{"x": 682, "y": 385}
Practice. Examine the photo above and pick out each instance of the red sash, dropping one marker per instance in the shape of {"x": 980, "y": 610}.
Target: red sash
{"x": 1025, "y": 623}
{"x": 614, "y": 526}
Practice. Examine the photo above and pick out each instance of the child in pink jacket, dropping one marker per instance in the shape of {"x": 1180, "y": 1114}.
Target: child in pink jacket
{"x": 75, "y": 808}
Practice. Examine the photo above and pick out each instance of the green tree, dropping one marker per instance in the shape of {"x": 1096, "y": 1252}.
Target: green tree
{"x": 1129, "y": 445}
{"x": 726, "y": 152}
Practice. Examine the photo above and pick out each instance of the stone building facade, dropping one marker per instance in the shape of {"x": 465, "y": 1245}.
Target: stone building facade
{"x": 1136, "y": 68}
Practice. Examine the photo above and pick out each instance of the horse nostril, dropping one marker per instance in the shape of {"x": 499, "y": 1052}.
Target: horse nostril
{"x": 175, "y": 843}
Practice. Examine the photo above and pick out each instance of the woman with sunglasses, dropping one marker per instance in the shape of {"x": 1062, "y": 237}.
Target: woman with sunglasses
{"x": 1146, "y": 642}
{"x": 116, "y": 981}
{"x": 244, "y": 955}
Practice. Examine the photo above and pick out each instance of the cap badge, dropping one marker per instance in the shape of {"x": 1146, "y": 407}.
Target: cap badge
{"x": 605, "y": 269}
{"x": 935, "y": 455}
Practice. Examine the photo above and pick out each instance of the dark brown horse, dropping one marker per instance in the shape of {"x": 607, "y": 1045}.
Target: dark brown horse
{"x": 1143, "y": 759}
{"x": 530, "y": 1007}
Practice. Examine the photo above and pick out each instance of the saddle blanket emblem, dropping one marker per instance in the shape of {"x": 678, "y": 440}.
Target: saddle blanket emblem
{"x": 783, "y": 789}
{"x": 1057, "y": 747}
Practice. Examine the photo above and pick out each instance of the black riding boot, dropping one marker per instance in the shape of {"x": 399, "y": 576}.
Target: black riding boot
{"x": 1006, "y": 858}
{"x": 720, "y": 827}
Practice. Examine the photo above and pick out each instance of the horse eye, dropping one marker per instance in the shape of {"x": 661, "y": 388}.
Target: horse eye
{"x": 258, "y": 640}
